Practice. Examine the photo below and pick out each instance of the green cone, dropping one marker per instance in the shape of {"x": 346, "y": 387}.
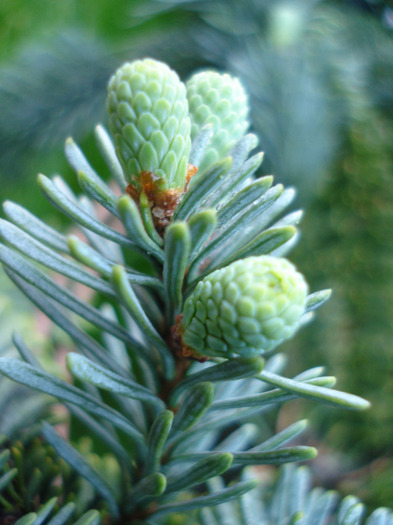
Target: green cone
{"x": 149, "y": 122}
{"x": 220, "y": 100}
{"x": 247, "y": 308}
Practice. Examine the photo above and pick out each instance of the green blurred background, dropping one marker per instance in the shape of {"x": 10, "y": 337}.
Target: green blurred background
{"x": 320, "y": 76}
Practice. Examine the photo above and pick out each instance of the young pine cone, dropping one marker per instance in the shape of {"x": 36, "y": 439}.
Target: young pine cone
{"x": 149, "y": 122}
{"x": 219, "y": 100}
{"x": 246, "y": 308}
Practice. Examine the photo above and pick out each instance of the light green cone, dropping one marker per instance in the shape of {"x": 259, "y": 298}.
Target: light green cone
{"x": 247, "y": 308}
{"x": 220, "y": 100}
{"x": 149, "y": 122}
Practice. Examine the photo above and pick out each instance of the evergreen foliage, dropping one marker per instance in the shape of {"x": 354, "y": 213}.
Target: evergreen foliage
{"x": 174, "y": 428}
{"x": 37, "y": 487}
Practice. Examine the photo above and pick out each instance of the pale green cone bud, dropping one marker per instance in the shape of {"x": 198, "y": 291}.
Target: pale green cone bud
{"x": 220, "y": 100}
{"x": 149, "y": 122}
{"x": 246, "y": 308}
